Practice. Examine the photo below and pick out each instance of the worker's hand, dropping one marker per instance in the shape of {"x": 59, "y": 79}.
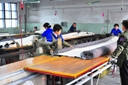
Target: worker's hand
{"x": 112, "y": 34}
{"x": 36, "y": 39}
{"x": 71, "y": 46}
{"x": 112, "y": 60}
{"x": 110, "y": 57}
{"x": 51, "y": 52}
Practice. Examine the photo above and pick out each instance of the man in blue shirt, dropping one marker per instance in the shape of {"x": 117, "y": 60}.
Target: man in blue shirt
{"x": 48, "y": 30}
{"x": 56, "y": 38}
{"x": 116, "y": 31}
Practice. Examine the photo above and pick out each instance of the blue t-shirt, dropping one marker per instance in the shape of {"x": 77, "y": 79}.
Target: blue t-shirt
{"x": 49, "y": 37}
{"x": 115, "y": 32}
{"x": 46, "y": 32}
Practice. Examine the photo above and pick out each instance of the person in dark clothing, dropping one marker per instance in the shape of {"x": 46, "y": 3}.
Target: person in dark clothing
{"x": 121, "y": 52}
{"x": 73, "y": 28}
{"x": 35, "y": 29}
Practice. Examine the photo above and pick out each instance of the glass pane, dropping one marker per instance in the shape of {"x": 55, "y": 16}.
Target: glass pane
{"x": 14, "y": 14}
{"x": 14, "y": 23}
{"x": 1, "y": 23}
{"x": 8, "y": 23}
{"x": 7, "y": 6}
{"x": 1, "y": 14}
{"x": 13, "y": 6}
{"x": 1, "y": 6}
{"x": 7, "y": 14}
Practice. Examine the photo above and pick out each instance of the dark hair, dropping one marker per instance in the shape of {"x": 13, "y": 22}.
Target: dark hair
{"x": 46, "y": 25}
{"x": 36, "y": 28}
{"x": 57, "y": 27}
{"x": 125, "y": 23}
{"x": 116, "y": 25}
{"x": 73, "y": 23}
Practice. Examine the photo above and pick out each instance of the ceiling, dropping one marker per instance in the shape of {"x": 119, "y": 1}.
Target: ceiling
{"x": 85, "y": 1}
{"x": 76, "y": 2}
{"x": 16, "y": 0}
{"x": 70, "y": 1}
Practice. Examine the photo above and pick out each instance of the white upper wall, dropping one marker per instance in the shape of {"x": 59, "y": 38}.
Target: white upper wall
{"x": 80, "y": 15}
{"x": 76, "y": 11}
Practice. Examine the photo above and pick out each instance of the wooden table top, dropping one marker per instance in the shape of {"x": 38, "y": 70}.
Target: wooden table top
{"x": 9, "y": 68}
{"x": 66, "y": 66}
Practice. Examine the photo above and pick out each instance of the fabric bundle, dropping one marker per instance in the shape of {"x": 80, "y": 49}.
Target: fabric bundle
{"x": 98, "y": 52}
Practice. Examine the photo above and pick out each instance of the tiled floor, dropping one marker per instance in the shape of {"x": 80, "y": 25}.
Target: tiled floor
{"x": 108, "y": 80}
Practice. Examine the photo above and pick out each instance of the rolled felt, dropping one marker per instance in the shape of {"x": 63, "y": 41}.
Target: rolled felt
{"x": 87, "y": 48}
{"x": 101, "y": 51}
{"x": 84, "y": 44}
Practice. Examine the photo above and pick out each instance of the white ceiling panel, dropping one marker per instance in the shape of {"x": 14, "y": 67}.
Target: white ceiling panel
{"x": 75, "y": 2}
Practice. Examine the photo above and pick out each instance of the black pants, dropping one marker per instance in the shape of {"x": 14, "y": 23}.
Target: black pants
{"x": 124, "y": 73}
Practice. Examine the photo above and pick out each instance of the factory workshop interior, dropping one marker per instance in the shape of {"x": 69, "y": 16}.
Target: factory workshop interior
{"x": 63, "y": 42}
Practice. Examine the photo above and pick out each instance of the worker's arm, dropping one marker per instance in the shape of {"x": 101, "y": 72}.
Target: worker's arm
{"x": 66, "y": 44}
{"x": 117, "y": 51}
{"x": 120, "y": 31}
{"x": 44, "y": 33}
{"x": 121, "y": 44}
{"x": 48, "y": 47}
{"x": 112, "y": 32}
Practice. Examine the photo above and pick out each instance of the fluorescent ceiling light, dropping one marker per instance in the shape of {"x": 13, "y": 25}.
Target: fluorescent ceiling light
{"x": 32, "y": 1}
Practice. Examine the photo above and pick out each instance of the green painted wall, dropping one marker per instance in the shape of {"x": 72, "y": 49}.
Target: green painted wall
{"x": 96, "y": 28}
{"x": 89, "y": 27}
{"x": 10, "y": 30}
{"x": 30, "y": 26}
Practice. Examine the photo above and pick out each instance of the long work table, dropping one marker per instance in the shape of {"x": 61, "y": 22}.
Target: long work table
{"x": 9, "y": 73}
{"x": 64, "y": 67}
{"x": 67, "y": 67}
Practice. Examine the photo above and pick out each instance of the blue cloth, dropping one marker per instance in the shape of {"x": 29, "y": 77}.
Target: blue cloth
{"x": 46, "y": 32}
{"x": 115, "y": 32}
{"x": 72, "y": 29}
{"x": 49, "y": 37}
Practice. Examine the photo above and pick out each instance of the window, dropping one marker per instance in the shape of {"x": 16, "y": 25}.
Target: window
{"x": 8, "y": 15}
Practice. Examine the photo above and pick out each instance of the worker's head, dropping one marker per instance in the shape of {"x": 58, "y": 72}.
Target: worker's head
{"x": 116, "y": 26}
{"x": 125, "y": 25}
{"x": 74, "y": 24}
{"x": 35, "y": 29}
{"x": 57, "y": 29}
{"x": 46, "y": 25}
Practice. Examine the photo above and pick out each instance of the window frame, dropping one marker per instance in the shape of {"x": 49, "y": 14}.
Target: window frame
{"x": 11, "y": 11}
